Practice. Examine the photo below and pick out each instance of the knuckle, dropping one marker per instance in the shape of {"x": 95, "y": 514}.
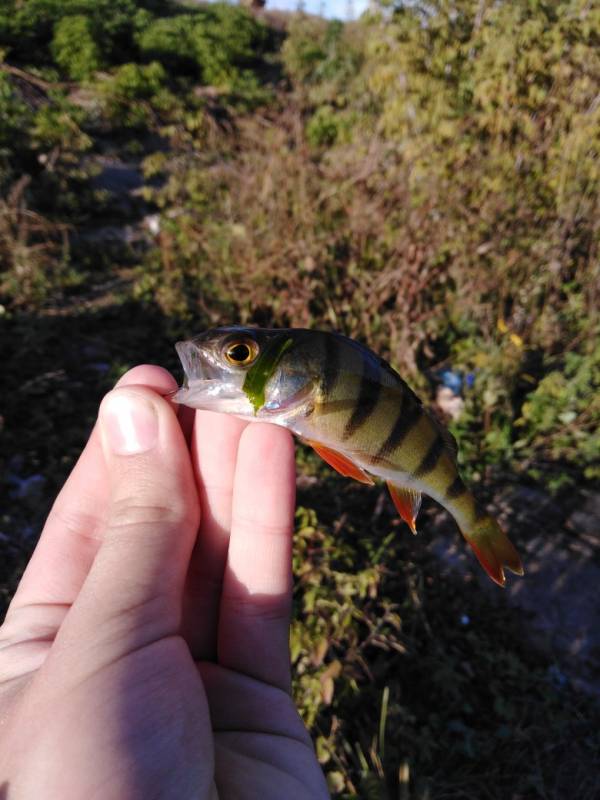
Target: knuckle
{"x": 252, "y": 524}
{"x": 255, "y": 608}
{"x": 127, "y": 514}
{"x": 76, "y": 522}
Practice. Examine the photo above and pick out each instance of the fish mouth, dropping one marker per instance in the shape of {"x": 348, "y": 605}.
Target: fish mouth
{"x": 206, "y": 384}
{"x": 195, "y": 363}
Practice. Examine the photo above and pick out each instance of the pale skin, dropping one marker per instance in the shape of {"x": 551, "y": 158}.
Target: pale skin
{"x": 145, "y": 653}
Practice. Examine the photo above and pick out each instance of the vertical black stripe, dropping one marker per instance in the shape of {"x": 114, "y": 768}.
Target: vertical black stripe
{"x": 431, "y": 458}
{"x": 455, "y": 489}
{"x": 331, "y": 366}
{"x": 368, "y": 394}
{"x": 407, "y": 418}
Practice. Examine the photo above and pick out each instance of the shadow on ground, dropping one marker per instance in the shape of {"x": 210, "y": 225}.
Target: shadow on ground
{"x": 56, "y": 366}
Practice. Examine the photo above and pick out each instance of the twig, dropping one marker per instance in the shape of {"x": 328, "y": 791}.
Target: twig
{"x": 32, "y": 79}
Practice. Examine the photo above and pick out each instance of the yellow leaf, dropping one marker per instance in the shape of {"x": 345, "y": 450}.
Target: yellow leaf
{"x": 516, "y": 340}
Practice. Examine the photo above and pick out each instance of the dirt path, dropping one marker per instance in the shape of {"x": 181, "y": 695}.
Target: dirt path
{"x": 560, "y": 549}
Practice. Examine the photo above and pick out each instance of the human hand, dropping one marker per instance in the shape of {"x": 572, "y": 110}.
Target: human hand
{"x": 145, "y": 653}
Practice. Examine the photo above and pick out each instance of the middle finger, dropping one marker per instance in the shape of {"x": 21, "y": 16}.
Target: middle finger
{"x": 214, "y": 445}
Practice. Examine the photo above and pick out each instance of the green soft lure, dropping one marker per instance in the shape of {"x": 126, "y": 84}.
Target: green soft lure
{"x": 259, "y": 372}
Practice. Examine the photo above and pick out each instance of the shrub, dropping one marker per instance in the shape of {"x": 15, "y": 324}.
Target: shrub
{"x": 170, "y": 40}
{"x": 304, "y": 49}
{"x": 74, "y": 48}
{"x": 129, "y": 94}
{"x": 219, "y": 42}
{"x": 226, "y": 41}
{"x": 323, "y": 127}
{"x": 29, "y": 27}
{"x": 34, "y": 252}
{"x": 15, "y": 117}
{"x": 324, "y": 58}
{"x": 559, "y": 421}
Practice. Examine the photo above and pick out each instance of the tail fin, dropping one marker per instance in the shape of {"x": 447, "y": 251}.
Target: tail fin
{"x": 494, "y": 549}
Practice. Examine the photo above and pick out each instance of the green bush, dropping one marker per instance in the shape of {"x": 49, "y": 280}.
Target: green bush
{"x": 170, "y": 40}
{"x": 131, "y": 94}
{"x": 323, "y": 57}
{"x": 74, "y": 48}
{"x": 304, "y": 49}
{"x": 29, "y": 26}
{"x": 34, "y": 252}
{"x": 219, "y": 42}
{"x": 15, "y": 116}
{"x": 559, "y": 421}
{"x": 227, "y": 40}
{"x": 323, "y": 127}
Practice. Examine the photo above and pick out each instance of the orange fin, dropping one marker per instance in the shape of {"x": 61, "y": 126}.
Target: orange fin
{"x": 340, "y": 463}
{"x": 494, "y": 550}
{"x": 408, "y": 503}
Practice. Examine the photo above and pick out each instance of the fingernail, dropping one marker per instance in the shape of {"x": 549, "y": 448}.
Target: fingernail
{"x": 129, "y": 423}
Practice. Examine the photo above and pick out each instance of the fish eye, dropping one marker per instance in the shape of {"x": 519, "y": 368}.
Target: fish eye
{"x": 241, "y": 353}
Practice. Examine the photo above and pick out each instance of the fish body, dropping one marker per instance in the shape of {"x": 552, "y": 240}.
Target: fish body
{"x": 352, "y": 408}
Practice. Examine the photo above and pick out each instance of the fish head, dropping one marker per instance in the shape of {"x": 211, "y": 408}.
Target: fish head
{"x": 250, "y": 372}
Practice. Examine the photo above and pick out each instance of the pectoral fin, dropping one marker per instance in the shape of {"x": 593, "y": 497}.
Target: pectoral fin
{"x": 408, "y": 503}
{"x": 341, "y": 463}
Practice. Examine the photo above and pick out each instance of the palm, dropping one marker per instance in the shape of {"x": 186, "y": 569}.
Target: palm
{"x": 258, "y": 753}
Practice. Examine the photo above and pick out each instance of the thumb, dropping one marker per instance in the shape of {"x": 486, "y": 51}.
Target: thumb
{"x": 132, "y": 595}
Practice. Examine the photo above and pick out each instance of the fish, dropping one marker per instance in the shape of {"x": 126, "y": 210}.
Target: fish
{"x": 353, "y": 409}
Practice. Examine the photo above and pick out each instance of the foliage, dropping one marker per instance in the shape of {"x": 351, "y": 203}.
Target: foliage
{"x": 324, "y": 57}
{"x": 217, "y": 42}
{"x": 28, "y": 27}
{"x": 225, "y": 42}
{"x": 425, "y": 180}
{"x": 437, "y": 221}
{"x": 323, "y": 128}
{"x": 57, "y": 130}
{"x": 169, "y": 40}
{"x": 34, "y": 253}
{"x": 560, "y": 418}
{"x": 14, "y": 115}
{"x": 408, "y": 694}
{"x": 132, "y": 94}
{"x": 74, "y": 48}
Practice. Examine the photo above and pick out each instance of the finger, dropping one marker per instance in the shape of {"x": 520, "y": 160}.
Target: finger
{"x": 214, "y": 447}
{"x": 186, "y": 416}
{"x": 132, "y": 595}
{"x": 71, "y": 535}
{"x": 257, "y": 585}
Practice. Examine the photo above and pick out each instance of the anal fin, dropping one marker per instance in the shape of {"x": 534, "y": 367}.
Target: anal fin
{"x": 340, "y": 463}
{"x": 407, "y": 502}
